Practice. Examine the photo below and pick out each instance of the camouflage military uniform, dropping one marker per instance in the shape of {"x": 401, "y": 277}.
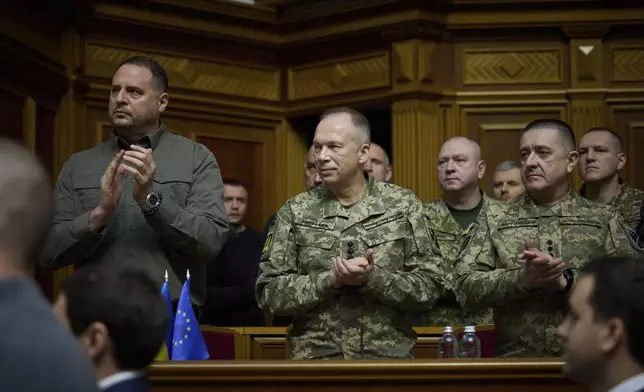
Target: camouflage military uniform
{"x": 487, "y": 271}
{"x": 371, "y": 321}
{"x": 451, "y": 240}
{"x": 628, "y": 202}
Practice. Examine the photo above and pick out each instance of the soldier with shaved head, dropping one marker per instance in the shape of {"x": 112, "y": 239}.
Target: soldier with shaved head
{"x": 454, "y": 218}
{"x": 601, "y": 157}
{"x": 525, "y": 257}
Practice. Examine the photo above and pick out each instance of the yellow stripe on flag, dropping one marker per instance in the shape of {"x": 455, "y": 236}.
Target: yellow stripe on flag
{"x": 163, "y": 354}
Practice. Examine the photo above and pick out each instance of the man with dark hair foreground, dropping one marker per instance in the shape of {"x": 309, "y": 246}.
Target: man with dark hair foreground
{"x": 36, "y": 353}
{"x": 119, "y": 317}
{"x": 601, "y": 334}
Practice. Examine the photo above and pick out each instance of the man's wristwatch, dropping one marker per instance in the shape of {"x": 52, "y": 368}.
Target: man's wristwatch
{"x": 152, "y": 202}
{"x": 570, "y": 279}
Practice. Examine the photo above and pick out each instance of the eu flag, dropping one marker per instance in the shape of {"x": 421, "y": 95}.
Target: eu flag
{"x": 187, "y": 342}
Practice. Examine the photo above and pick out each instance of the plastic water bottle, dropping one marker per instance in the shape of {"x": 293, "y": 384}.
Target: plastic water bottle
{"x": 448, "y": 344}
{"x": 470, "y": 344}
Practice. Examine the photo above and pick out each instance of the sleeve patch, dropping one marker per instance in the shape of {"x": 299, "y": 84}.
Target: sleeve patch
{"x": 268, "y": 244}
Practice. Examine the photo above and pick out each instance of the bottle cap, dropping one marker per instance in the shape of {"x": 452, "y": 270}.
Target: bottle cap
{"x": 447, "y": 329}
{"x": 470, "y": 328}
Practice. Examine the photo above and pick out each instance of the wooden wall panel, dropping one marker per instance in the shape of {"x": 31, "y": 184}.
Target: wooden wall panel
{"x": 11, "y": 106}
{"x": 627, "y": 64}
{"x": 243, "y": 153}
{"x": 45, "y": 124}
{"x": 242, "y": 161}
{"x": 628, "y": 122}
{"x": 497, "y": 65}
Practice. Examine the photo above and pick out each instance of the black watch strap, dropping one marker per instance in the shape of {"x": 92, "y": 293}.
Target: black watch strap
{"x": 570, "y": 279}
{"x": 152, "y": 208}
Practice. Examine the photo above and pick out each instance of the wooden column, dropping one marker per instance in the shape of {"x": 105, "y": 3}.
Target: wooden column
{"x": 587, "y": 85}
{"x": 416, "y": 139}
{"x": 289, "y": 165}
{"x": 70, "y": 133}
{"x": 418, "y": 118}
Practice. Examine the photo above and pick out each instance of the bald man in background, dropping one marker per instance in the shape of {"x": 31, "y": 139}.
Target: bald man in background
{"x": 454, "y": 219}
{"x": 378, "y": 164}
{"x": 507, "y": 181}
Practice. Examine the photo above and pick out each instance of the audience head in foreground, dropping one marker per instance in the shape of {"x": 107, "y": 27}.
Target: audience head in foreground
{"x": 118, "y": 316}
{"x": 36, "y": 353}
{"x": 548, "y": 156}
{"x": 601, "y": 334}
{"x": 506, "y": 181}
{"x": 25, "y": 209}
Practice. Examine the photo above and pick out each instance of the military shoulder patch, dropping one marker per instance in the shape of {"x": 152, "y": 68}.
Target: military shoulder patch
{"x": 636, "y": 241}
{"x": 268, "y": 243}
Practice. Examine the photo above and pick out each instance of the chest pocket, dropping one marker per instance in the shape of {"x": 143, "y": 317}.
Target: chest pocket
{"x": 388, "y": 242}
{"x": 510, "y": 239}
{"x": 87, "y": 190}
{"x": 173, "y": 185}
{"x": 584, "y": 237}
{"x": 314, "y": 249}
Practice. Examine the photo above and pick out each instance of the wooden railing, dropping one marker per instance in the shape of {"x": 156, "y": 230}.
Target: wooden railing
{"x": 496, "y": 375}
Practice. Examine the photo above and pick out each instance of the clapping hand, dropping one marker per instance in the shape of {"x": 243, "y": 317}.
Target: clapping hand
{"x": 353, "y": 272}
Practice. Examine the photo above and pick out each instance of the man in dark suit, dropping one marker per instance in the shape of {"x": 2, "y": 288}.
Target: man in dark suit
{"x": 36, "y": 353}
{"x": 119, "y": 317}
{"x": 604, "y": 350}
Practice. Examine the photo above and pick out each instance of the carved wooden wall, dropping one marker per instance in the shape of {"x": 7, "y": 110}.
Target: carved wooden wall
{"x": 240, "y": 74}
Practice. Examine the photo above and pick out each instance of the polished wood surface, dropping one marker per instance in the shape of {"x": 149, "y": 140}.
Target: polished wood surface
{"x": 415, "y": 375}
{"x": 269, "y": 343}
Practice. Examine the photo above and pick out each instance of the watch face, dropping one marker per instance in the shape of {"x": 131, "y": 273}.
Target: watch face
{"x": 153, "y": 199}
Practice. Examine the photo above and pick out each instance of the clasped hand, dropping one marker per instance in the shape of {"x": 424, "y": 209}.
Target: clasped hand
{"x": 540, "y": 269}
{"x": 141, "y": 165}
{"x": 353, "y": 272}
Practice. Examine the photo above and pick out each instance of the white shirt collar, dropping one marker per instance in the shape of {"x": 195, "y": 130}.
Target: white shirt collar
{"x": 117, "y": 378}
{"x": 633, "y": 384}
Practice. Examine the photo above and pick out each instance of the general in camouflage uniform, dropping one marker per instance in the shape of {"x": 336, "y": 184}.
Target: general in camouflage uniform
{"x": 451, "y": 239}
{"x": 506, "y": 265}
{"x": 313, "y": 235}
{"x": 601, "y": 157}
{"x": 574, "y": 230}
{"x": 351, "y": 323}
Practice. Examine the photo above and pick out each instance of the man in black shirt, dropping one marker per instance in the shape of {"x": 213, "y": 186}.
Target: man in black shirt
{"x": 230, "y": 299}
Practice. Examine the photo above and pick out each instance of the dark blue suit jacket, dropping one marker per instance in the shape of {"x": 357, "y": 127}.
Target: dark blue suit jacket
{"x": 138, "y": 384}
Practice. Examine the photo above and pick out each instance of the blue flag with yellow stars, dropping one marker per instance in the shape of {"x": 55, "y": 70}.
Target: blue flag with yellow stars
{"x": 187, "y": 341}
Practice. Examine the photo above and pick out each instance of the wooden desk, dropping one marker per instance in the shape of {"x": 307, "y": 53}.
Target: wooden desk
{"x": 269, "y": 343}
{"x": 498, "y": 375}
